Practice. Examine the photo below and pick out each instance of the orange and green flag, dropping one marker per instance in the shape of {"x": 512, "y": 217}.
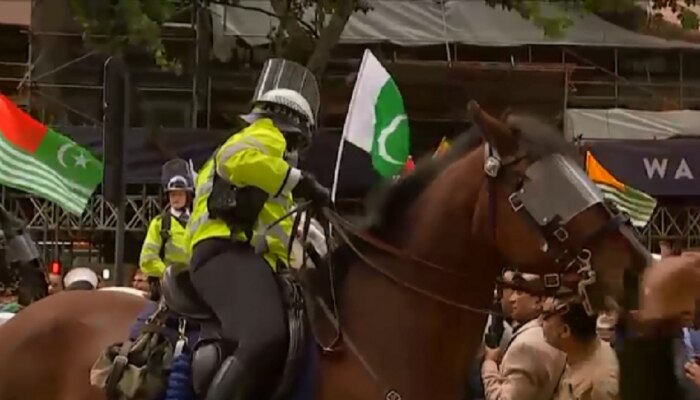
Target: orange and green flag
{"x": 633, "y": 202}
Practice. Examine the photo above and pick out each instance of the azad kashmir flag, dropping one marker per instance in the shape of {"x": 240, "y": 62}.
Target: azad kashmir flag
{"x": 41, "y": 161}
{"x": 635, "y": 203}
{"x": 376, "y": 121}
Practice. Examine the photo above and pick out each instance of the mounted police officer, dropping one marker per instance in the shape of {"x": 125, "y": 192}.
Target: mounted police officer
{"x": 236, "y": 248}
{"x": 165, "y": 242}
{"x": 20, "y": 261}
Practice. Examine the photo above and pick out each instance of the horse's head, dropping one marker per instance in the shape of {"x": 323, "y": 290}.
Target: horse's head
{"x": 547, "y": 217}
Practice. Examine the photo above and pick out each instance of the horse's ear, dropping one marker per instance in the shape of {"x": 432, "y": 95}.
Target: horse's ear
{"x": 495, "y": 132}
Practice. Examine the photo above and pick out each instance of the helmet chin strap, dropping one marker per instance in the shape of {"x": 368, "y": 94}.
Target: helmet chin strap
{"x": 292, "y": 158}
{"x": 179, "y": 209}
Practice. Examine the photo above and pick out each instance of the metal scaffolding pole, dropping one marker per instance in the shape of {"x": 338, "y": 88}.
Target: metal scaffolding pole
{"x": 116, "y": 119}
{"x": 195, "y": 70}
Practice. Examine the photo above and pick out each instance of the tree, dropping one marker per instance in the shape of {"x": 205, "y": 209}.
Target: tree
{"x": 115, "y": 24}
{"x": 555, "y": 25}
{"x": 112, "y": 25}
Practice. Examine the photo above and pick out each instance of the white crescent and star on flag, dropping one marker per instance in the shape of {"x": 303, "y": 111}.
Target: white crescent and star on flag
{"x": 80, "y": 159}
{"x": 384, "y": 136}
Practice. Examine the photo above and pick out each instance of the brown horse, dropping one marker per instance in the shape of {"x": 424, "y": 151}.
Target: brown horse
{"x": 417, "y": 282}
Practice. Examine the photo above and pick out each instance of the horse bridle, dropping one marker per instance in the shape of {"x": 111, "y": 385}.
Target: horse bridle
{"x": 573, "y": 257}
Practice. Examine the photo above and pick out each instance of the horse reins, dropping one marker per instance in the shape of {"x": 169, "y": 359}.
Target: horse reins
{"x": 342, "y": 226}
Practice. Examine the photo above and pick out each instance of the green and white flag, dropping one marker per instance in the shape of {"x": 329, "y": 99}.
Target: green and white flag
{"x": 376, "y": 121}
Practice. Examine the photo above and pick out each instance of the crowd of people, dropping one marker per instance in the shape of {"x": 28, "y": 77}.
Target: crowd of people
{"x": 233, "y": 212}
{"x": 551, "y": 349}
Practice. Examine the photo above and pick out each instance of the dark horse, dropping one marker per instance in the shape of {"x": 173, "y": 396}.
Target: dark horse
{"x": 21, "y": 275}
{"x": 416, "y": 284}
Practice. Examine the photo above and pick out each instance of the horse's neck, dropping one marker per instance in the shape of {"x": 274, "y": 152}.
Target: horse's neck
{"x": 449, "y": 222}
{"x": 415, "y": 342}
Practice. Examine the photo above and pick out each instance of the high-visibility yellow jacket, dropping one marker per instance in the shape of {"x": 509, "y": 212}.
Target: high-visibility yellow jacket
{"x": 176, "y": 250}
{"x": 252, "y": 157}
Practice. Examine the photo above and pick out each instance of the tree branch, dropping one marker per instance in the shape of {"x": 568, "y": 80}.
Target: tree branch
{"x": 306, "y": 26}
{"x": 330, "y": 35}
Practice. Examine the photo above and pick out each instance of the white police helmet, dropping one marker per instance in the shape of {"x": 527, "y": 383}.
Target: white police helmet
{"x": 292, "y": 100}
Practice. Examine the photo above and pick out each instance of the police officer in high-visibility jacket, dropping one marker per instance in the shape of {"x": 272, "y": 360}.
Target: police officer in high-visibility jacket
{"x": 166, "y": 239}
{"x": 240, "y": 192}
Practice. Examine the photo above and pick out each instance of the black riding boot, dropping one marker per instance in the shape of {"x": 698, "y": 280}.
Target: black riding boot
{"x": 229, "y": 383}
{"x": 242, "y": 290}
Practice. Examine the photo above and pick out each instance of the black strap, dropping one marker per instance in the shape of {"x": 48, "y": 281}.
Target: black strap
{"x": 290, "y": 244}
{"x": 118, "y": 367}
{"x": 214, "y": 184}
{"x": 164, "y": 231}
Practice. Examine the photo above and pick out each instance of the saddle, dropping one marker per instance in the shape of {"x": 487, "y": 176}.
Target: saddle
{"x": 209, "y": 351}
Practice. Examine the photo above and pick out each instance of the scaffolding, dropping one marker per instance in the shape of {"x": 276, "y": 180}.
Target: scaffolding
{"x": 681, "y": 224}
{"x": 65, "y": 81}
{"x": 49, "y": 71}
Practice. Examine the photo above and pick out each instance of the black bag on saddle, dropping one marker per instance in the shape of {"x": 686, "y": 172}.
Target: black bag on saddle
{"x": 137, "y": 369}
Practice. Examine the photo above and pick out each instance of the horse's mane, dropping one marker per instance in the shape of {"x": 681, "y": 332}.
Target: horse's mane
{"x": 536, "y": 138}
{"x": 393, "y": 200}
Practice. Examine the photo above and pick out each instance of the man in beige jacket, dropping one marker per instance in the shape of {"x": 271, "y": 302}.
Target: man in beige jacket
{"x": 592, "y": 370}
{"x": 529, "y": 369}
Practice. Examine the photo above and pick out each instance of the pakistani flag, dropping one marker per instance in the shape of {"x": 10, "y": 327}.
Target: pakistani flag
{"x": 376, "y": 121}
{"x": 41, "y": 161}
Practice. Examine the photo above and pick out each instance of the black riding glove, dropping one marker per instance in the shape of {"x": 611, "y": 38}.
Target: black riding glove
{"x": 309, "y": 188}
{"x": 154, "y": 288}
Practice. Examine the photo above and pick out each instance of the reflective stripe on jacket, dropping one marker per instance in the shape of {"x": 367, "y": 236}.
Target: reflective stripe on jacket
{"x": 176, "y": 250}
{"x": 252, "y": 157}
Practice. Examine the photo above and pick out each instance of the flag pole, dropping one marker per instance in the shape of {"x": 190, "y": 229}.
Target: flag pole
{"x": 336, "y": 172}
{"x": 341, "y": 146}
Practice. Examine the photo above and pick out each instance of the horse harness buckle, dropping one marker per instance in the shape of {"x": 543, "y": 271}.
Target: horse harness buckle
{"x": 515, "y": 202}
{"x": 561, "y": 234}
{"x": 551, "y": 281}
{"x": 181, "y": 337}
{"x": 491, "y": 166}
{"x": 120, "y": 361}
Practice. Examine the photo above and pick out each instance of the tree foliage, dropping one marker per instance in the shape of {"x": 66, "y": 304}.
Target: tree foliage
{"x": 555, "y": 23}
{"x": 115, "y": 24}
{"x": 112, "y": 25}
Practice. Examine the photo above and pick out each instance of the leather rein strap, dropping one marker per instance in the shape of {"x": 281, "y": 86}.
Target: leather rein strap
{"x": 345, "y": 229}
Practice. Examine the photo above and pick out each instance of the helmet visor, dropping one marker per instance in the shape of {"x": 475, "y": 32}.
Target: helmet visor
{"x": 176, "y": 175}
{"x": 278, "y": 73}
